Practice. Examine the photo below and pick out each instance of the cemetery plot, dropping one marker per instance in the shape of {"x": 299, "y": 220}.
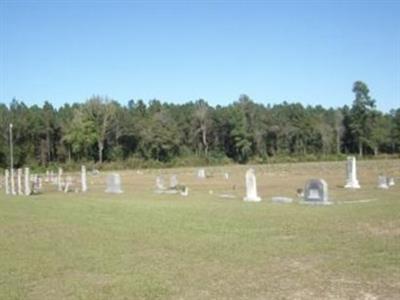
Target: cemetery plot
{"x": 141, "y": 244}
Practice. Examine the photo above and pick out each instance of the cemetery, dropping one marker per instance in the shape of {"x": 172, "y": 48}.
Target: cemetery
{"x": 188, "y": 150}
{"x": 159, "y": 233}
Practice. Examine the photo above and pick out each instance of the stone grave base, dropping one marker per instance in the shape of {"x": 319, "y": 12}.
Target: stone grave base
{"x": 283, "y": 200}
{"x": 317, "y": 203}
{"x": 227, "y": 196}
{"x": 247, "y": 199}
{"x": 171, "y": 192}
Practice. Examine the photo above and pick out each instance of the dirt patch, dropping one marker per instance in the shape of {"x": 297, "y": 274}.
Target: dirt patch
{"x": 389, "y": 229}
{"x": 64, "y": 285}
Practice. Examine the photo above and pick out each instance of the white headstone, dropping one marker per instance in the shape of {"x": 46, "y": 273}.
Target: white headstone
{"x": 36, "y": 186}
{"x": 68, "y": 184}
{"x": 185, "y": 191}
{"x": 173, "y": 182}
{"x": 316, "y": 191}
{"x": 47, "y": 178}
{"x": 391, "y": 181}
{"x": 53, "y": 178}
{"x": 251, "y": 187}
{"x": 27, "y": 182}
{"x": 114, "y": 184}
{"x": 19, "y": 181}
{"x": 12, "y": 180}
{"x": 226, "y": 175}
{"x": 382, "y": 182}
{"x": 160, "y": 183}
{"x": 7, "y": 181}
{"x": 201, "y": 173}
{"x": 351, "y": 180}
{"x": 59, "y": 179}
{"x": 83, "y": 179}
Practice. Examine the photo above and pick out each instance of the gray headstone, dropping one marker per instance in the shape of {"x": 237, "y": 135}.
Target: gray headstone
{"x": 114, "y": 184}
{"x": 382, "y": 182}
{"x": 316, "y": 191}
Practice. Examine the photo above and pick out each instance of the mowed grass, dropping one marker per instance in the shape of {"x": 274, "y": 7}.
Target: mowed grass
{"x": 142, "y": 245}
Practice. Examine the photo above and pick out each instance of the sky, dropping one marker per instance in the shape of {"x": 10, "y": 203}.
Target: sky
{"x": 178, "y": 51}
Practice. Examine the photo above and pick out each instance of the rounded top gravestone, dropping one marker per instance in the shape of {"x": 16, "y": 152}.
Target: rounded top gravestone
{"x": 316, "y": 192}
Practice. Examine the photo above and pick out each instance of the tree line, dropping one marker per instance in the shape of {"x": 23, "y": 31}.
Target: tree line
{"x": 101, "y": 129}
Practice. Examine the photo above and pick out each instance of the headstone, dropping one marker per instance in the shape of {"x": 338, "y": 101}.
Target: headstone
{"x": 36, "y": 184}
{"x": 316, "y": 191}
{"x": 160, "y": 187}
{"x": 300, "y": 193}
{"x": 201, "y": 174}
{"x": 351, "y": 180}
{"x": 173, "y": 182}
{"x": 114, "y": 184}
{"x": 19, "y": 181}
{"x": 68, "y": 184}
{"x": 390, "y": 181}
{"x": 7, "y": 181}
{"x": 251, "y": 187}
{"x": 59, "y": 179}
{"x": 40, "y": 182}
{"x": 47, "y": 178}
{"x": 226, "y": 175}
{"x": 382, "y": 182}
{"x": 279, "y": 199}
{"x": 185, "y": 191}
{"x": 27, "y": 181}
{"x": 83, "y": 179}
{"x": 12, "y": 182}
{"x": 53, "y": 178}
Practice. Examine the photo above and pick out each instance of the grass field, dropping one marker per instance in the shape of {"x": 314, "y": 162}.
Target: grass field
{"x": 142, "y": 245}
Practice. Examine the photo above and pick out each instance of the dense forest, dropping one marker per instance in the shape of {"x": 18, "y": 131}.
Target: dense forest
{"x": 102, "y": 130}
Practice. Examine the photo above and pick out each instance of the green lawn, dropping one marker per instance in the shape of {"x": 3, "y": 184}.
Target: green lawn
{"x": 140, "y": 245}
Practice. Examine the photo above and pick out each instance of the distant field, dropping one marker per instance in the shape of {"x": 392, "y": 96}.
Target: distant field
{"x": 142, "y": 245}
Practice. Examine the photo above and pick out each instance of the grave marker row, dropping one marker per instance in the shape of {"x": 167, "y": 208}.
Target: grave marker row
{"x": 22, "y": 189}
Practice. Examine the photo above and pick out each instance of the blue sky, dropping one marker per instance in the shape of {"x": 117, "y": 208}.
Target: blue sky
{"x": 296, "y": 51}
